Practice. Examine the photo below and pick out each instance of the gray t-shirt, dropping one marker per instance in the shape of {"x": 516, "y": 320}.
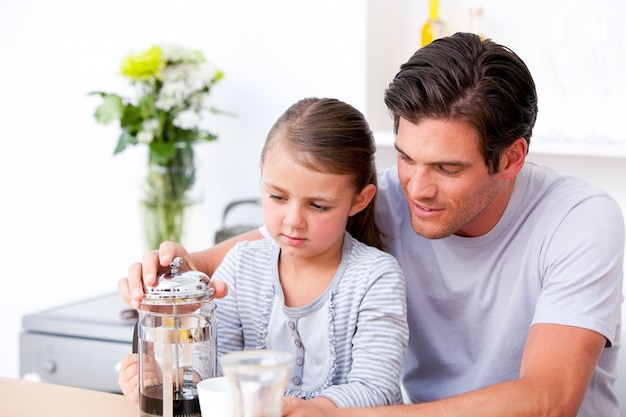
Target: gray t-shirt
{"x": 555, "y": 256}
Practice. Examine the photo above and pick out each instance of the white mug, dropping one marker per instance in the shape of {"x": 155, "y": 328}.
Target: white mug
{"x": 215, "y": 397}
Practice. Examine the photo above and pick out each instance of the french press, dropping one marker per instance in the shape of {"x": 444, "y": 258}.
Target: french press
{"x": 176, "y": 343}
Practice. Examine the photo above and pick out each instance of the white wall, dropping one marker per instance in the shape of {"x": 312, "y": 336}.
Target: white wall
{"x": 68, "y": 209}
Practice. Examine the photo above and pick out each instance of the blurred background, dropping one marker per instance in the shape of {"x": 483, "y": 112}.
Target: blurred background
{"x": 69, "y": 210}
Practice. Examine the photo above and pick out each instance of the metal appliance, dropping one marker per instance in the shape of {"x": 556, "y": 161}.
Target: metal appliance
{"x": 79, "y": 344}
{"x": 177, "y": 343}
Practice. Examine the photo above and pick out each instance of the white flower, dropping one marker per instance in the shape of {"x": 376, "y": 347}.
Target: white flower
{"x": 174, "y": 93}
{"x": 145, "y": 136}
{"x": 187, "y": 119}
{"x": 204, "y": 101}
{"x": 176, "y": 72}
{"x": 200, "y": 75}
{"x": 175, "y": 54}
{"x": 151, "y": 124}
{"x": 165, "y": 103}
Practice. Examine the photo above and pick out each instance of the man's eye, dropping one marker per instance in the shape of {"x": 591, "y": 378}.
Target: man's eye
{"x": 446, "y": 171}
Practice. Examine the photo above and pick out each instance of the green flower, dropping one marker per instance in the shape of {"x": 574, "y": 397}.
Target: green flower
{"x": 143, "y": 65}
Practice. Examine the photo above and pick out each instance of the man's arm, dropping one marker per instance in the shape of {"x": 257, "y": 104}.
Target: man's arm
{"x": 157, "y": 262}
{"x": 209, "y": 259}
{"x": 556, "y": 368}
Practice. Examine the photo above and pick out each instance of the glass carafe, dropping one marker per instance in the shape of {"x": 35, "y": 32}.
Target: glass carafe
{"x": 177, "y": 343}
{"x": 257, "y": 381}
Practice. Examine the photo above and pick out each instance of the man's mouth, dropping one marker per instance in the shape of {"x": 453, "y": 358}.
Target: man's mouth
{"x": 425, "y": 211}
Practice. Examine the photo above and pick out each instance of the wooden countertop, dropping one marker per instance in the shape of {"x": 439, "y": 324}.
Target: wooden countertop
{"x": 19, "y": 398}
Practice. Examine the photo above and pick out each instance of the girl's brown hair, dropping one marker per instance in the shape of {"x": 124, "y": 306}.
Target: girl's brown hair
{"x": 328, "y": 135}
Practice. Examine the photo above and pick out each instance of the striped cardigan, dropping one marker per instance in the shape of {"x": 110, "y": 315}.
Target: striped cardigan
{"x": 366, "y": 319}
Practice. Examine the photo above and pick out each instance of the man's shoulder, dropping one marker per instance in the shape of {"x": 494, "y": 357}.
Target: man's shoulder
{"x": 389, "y": 190}
{"x": 544, "y": 195}
{"x": 545, "y": 183}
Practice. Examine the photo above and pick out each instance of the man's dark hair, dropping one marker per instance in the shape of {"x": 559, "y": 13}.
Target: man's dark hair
{"x": 464, "y": 78}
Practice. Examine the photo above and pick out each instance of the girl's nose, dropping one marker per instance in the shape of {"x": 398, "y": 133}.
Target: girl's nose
{"x": 293, "y": 216}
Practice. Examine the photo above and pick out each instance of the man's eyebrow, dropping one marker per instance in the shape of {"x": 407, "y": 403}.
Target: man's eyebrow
{"x": 395, "y": 145}
{"x": 443, "y": 163}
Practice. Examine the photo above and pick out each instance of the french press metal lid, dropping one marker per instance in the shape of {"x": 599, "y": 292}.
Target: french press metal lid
{"x": 174, "y": 287}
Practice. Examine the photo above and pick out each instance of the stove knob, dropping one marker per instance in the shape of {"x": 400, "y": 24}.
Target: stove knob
{"x": 50, "y": 366}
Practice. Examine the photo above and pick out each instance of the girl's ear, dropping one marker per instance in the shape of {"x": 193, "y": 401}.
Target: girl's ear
{"x": 362, "y": 199}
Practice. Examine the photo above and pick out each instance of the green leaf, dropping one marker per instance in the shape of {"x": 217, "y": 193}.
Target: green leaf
{"x": 124, "y": 140}
{"x": 207, "y": 136}
{"x": 162, "y": 152}
{"x": 215, "y": 110}
{"x": 110, "y": 109}
{"x": 131, "y": 118}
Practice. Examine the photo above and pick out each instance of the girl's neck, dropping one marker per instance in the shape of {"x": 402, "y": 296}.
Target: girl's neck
{"x": 303, "y": 280}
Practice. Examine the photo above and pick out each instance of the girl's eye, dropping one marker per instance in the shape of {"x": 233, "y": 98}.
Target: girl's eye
{"x": 277, "y": 197}
{"x": 319, "y": 207}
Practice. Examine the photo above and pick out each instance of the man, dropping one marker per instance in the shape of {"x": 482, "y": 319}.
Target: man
{"x": 514, "y": 272}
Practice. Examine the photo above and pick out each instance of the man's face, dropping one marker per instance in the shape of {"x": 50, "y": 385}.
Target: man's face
{"x": 445, "y": 180}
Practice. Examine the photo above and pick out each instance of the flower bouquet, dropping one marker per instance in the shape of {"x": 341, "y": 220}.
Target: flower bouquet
{"x": 172, "y": 86}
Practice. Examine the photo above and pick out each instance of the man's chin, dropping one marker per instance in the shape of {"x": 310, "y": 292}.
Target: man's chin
{"x": 430, "y": 231}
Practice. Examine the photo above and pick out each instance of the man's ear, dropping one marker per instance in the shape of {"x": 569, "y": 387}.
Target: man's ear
{"x": 513, "y": 158}
{"x": 362, "y": 199}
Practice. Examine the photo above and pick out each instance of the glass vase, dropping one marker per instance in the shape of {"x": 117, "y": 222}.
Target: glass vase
{"x": 172, "y": 201}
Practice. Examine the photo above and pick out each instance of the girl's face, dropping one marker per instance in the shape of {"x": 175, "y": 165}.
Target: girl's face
{"x": 306, "y": 211}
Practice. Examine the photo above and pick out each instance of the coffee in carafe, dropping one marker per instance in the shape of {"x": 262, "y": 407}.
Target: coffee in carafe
{"x": 176, "y": 343}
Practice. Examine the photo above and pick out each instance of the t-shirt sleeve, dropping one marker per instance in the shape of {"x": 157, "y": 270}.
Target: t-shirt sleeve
{"x": 583, "y": 269}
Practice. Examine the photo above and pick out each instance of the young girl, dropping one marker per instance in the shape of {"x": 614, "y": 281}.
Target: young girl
{"x": 311, "y": 287}
{"x": 318, "y": 285}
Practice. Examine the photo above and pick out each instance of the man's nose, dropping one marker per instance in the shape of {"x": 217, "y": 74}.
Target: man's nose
{"x": 421, "y": 184}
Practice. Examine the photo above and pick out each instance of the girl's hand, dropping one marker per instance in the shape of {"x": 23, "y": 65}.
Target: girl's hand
{"x": 128, "y": 377}
{"x": 156, "y": 263}
{"x": 146, "y": 272}
{"x": 295, "y": 407}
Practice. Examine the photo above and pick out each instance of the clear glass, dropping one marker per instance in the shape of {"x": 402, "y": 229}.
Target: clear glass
{"x": 177, "y": 349}
{"x": 171, "y": 206}
{"x": 257, "y": 379}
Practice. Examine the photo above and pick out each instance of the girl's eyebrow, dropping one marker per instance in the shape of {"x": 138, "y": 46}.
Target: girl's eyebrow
{"x": 274, "y": 187}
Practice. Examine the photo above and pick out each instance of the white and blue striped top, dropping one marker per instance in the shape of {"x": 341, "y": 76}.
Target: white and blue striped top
{"x": 348, "y": 343}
